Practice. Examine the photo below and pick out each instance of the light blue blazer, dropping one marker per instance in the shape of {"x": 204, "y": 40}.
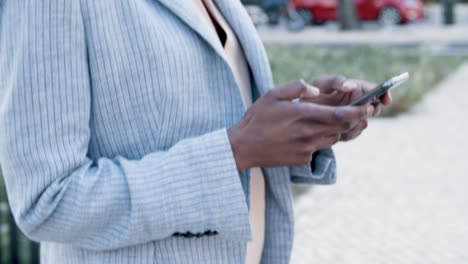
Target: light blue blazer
{"x": 113, "y": 117}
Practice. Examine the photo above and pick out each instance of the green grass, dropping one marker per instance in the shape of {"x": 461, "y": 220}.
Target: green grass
{"x": 370, "y": 63}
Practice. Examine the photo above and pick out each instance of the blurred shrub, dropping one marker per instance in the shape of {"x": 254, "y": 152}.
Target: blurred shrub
{"x": 370, "y": 63}
{"x": 14, "y": 246}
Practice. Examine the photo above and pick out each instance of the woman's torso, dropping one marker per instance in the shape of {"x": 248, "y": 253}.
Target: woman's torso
{"x": 155, "y": 80}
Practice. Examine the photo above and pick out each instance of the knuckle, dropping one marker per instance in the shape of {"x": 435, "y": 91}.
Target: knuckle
{"x": 300, "y": 113}
{"x": 346, "y": 126}
{"x": 297, "y": 133}
{"x": 301, "y": 85}
{"x": 362, "y": 87}
{"x": 273, "y": 93}
{"x": 304, "y": 131}
{"x": 356, "y": 134}
{"x": 365, "y": 124}
{"x": 339, "y": 115}
{"x": 367, "y": 86}
{"x": 297, "y": 82}
{"x": 301, "y": 132}
{"x": 270, "y": 94}
{"x": 363, "y": 112}
{"x": 346, "y": 137}
{"x": 338, "y": 79}
{"x": 333, "y": 139}
{"x": 320, "y": 80}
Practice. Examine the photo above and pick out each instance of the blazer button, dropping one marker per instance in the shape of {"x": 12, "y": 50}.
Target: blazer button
{"x": 210, "y": 233}
{"x": 189, "y": 234}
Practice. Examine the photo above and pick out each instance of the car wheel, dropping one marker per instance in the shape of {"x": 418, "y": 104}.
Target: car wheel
{"x": 296, "y": 22}
{"x": 306, "y": 15}
{"x": 274, "y": 15}
{"x": 389, "y": 16}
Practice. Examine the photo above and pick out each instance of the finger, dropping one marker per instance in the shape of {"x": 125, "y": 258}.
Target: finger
{"x": 307, "y": 132}
{"x": 371, "y": 110}
{"x": 366, "y": 86}
{"x": 293, "y": 90}
{"x": 378, "y": 109}
{"x": 356, "y": 88}
{"x": 329, "y": 83}
{"x": 355, "y": 132}
{"x": 322, "y": 142}
{"x": 327, "y": 141}
{"x": 359, "y": 86}
{"x": 386, "y": 99}
{"x": 349, "y": 86}
{"x": 310, "y": 93}
{"x": 332, "y": 115}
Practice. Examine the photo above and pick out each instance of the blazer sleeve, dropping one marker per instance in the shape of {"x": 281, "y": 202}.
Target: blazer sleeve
{"x": 56, "y": 192}
{"x": 322, "y": 169}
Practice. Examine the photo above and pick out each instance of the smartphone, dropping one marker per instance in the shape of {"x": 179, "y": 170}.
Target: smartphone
{"x": 373, "y": 96}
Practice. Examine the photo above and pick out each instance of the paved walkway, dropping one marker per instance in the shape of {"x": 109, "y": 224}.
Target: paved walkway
{"x": 402, "y": 191}
{"x": 426, "y": 35}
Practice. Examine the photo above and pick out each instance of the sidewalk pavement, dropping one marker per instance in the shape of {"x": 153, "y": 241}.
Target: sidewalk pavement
{"x": 402, "y": 190}
{"x": 440, "y": 35}
{"x": 429, "y": 32}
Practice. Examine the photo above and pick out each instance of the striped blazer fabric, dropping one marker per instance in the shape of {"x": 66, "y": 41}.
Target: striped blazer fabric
{"x": 113, "y": 143}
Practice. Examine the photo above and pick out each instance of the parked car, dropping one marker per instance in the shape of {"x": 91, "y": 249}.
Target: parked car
{"x": 387, "y": 12}
{"x": 274, "y": 9}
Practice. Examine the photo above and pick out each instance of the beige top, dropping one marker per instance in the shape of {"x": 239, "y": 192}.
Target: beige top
{"x": 238, "y": 63}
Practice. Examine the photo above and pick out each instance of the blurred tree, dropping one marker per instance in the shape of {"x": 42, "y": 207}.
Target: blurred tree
{"x": 7, "y": 230}
{"x": 347, "y": 15}
{"x": 449, "y": 12}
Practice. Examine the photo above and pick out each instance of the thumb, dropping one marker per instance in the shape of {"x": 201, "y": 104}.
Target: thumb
{"x": 295, "y": 89}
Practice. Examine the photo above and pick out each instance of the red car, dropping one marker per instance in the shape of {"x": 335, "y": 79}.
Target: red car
{"x": 385, "y": 11}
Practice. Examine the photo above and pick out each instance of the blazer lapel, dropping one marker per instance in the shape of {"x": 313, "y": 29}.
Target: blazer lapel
{"x": 250, "y": 41}
{"x": 184, "y": 10}
{"x": 240, "y": 22}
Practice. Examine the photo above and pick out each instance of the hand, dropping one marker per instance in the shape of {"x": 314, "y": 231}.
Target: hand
{"x": 337, "y": 91}
{"x": 278, "y": 132}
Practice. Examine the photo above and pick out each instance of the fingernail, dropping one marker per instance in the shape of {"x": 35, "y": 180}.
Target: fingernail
{"x": 349, "y": 85}
{"x": 310, "y": 88}
{"x": 313, "y": 90}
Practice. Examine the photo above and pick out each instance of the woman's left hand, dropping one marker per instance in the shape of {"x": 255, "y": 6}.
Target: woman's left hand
{"x": 339, "y": 91}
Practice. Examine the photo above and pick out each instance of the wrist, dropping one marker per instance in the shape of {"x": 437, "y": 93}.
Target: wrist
{"x": 238, "y": 148}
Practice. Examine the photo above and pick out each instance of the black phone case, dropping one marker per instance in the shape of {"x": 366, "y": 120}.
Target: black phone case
{"x": 374, "y": 94}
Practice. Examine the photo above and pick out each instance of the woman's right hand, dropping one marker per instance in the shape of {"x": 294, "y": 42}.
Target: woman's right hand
{"x": 278, "y": 132}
